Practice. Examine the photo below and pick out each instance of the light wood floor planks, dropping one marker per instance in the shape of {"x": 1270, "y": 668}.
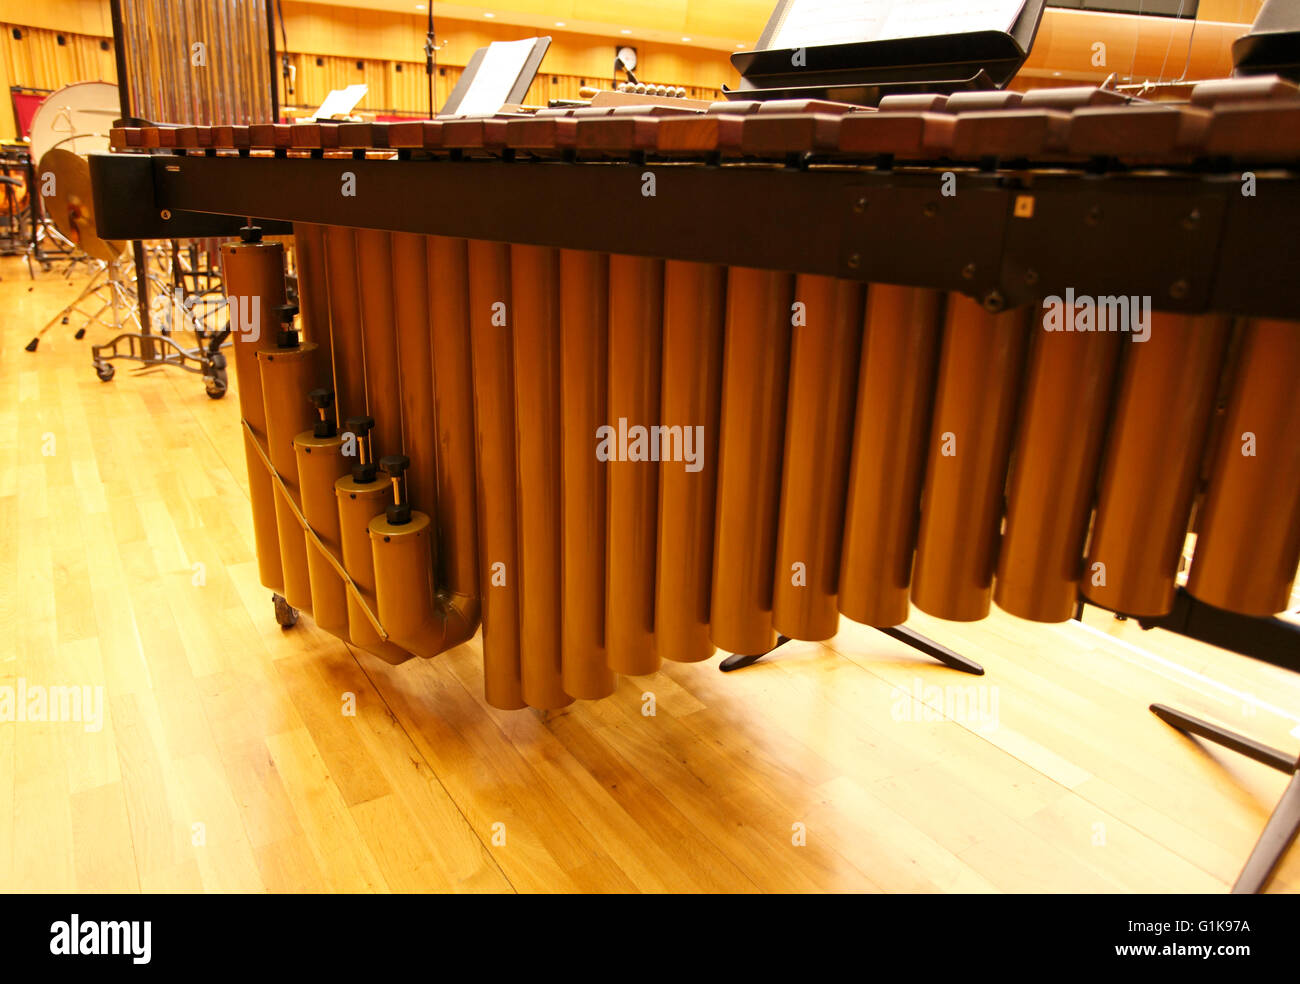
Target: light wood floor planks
{"x": 225, "y": 761}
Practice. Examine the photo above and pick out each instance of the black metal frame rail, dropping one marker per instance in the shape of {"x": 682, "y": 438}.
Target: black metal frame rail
{"x": 1192, "y": 243}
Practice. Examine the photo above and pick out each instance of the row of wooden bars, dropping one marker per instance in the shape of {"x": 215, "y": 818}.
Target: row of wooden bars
{"x": 864, "y": 448}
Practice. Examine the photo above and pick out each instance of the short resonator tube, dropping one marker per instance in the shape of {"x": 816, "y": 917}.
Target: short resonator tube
{"x": 361, "y": 495}
{"x": 288, "y": 376}
{"x": 320, "y": 464}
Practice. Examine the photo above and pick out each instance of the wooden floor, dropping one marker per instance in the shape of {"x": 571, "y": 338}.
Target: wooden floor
{"x": 226, "y": 762}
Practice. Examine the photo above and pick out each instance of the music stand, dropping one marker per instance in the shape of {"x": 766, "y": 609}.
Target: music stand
{"x": 477, "y": 85}
{"x": 860, "y": 71}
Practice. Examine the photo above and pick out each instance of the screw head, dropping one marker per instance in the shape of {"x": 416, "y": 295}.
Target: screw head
{"x": 968, "y": 271}
{"x": 1179, "y": 289}
{"x": 854, "y": 261}
{"x": 166, "y": 214}
{"x": 860, "y": 205}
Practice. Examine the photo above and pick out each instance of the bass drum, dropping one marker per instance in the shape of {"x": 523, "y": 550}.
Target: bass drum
{"x": 75, "y": 118}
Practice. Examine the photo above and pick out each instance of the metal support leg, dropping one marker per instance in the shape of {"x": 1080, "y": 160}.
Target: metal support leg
{"x": 1282, "y": 827}
{"x": 932, "y": 649}
{"x": 737, "y": 661}
{"x": 1273, "y": 843}
{"x": 903, "y": 634}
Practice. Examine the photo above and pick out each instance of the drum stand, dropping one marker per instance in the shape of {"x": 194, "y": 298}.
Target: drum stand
{"x": 159, "y": 349}
{"x": 902, "y": 633}
{"x": 1284, "y": 823}
{"x": 107, "y": 288}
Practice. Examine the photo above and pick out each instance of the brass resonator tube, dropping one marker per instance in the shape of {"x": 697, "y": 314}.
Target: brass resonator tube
{"x": 818, "y": 439}
{"x": 755, "y": 373}
{"x": 379, "y": 334}
{"x": 584, "y": 348}
{"x": 345, "y": 322}
{"x": 896, "y": 379}
{"x": 695, "y": 303}
{"x": 535, "y": 312}
{"x": 453, "y": 404}
{"x": 1248, "y": 541}
{"x": 1152, "y": 463}
{"x": 635, "y": 340}
{"x": 494, "y": 420}
{"x": 254, "y": 276}
{"x": 970, "y": 442}
{"x": 287, "y": 377}
{"x": 320, "y": 465}
{"x": 313, "y": 296}
{"x": 1054, "y": 477}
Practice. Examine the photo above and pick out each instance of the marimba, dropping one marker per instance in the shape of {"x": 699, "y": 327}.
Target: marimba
{"x": 626, "y": 384}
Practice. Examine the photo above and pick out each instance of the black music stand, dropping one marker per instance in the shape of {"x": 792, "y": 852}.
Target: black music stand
{"x": 1273, "y": 44}
{"x": 518, "y": 88}
{"x": 856, "y": 70}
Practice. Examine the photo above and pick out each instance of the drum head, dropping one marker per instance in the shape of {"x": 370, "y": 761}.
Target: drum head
{"x": 76, "y": 118}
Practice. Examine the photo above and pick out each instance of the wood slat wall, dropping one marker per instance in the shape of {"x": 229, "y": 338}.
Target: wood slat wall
{"x": 38, "y": 60}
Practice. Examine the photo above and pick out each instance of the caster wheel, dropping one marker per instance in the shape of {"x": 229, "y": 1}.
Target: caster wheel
{"x": 64, "y": 321}
{"x": 285, "y": 613}
{"x": 216, "y": 384}
{"x": 104, "y": 371}
{"x": 81, "y": 333}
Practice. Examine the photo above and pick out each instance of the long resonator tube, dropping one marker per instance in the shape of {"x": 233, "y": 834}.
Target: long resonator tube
{"x": 254, "y": 276}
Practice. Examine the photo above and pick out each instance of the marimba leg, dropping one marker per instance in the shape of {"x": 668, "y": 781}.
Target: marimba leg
{"x": 1282, "y": 826}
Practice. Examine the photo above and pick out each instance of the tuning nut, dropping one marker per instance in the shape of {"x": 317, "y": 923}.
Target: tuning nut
{"x": 395, "y": 464}
{"x": 323, "y": 400}
{"x": 399, "y": 511}
{"x": 360, "y": 426}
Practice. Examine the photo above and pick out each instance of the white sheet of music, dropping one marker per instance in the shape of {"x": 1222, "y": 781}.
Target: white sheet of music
{"x": 813, "y": 22}
{"x": 496, "y": 76}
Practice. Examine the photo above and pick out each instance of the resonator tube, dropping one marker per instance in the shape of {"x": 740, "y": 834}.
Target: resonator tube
{"x": 254, "y": 274}
{"x": 420, "y": 615}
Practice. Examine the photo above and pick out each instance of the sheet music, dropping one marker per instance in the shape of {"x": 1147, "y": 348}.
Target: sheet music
{"x": 813, "y": 22}
{"x": 340, "y": 102}
{"x": 496, "y": 76}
